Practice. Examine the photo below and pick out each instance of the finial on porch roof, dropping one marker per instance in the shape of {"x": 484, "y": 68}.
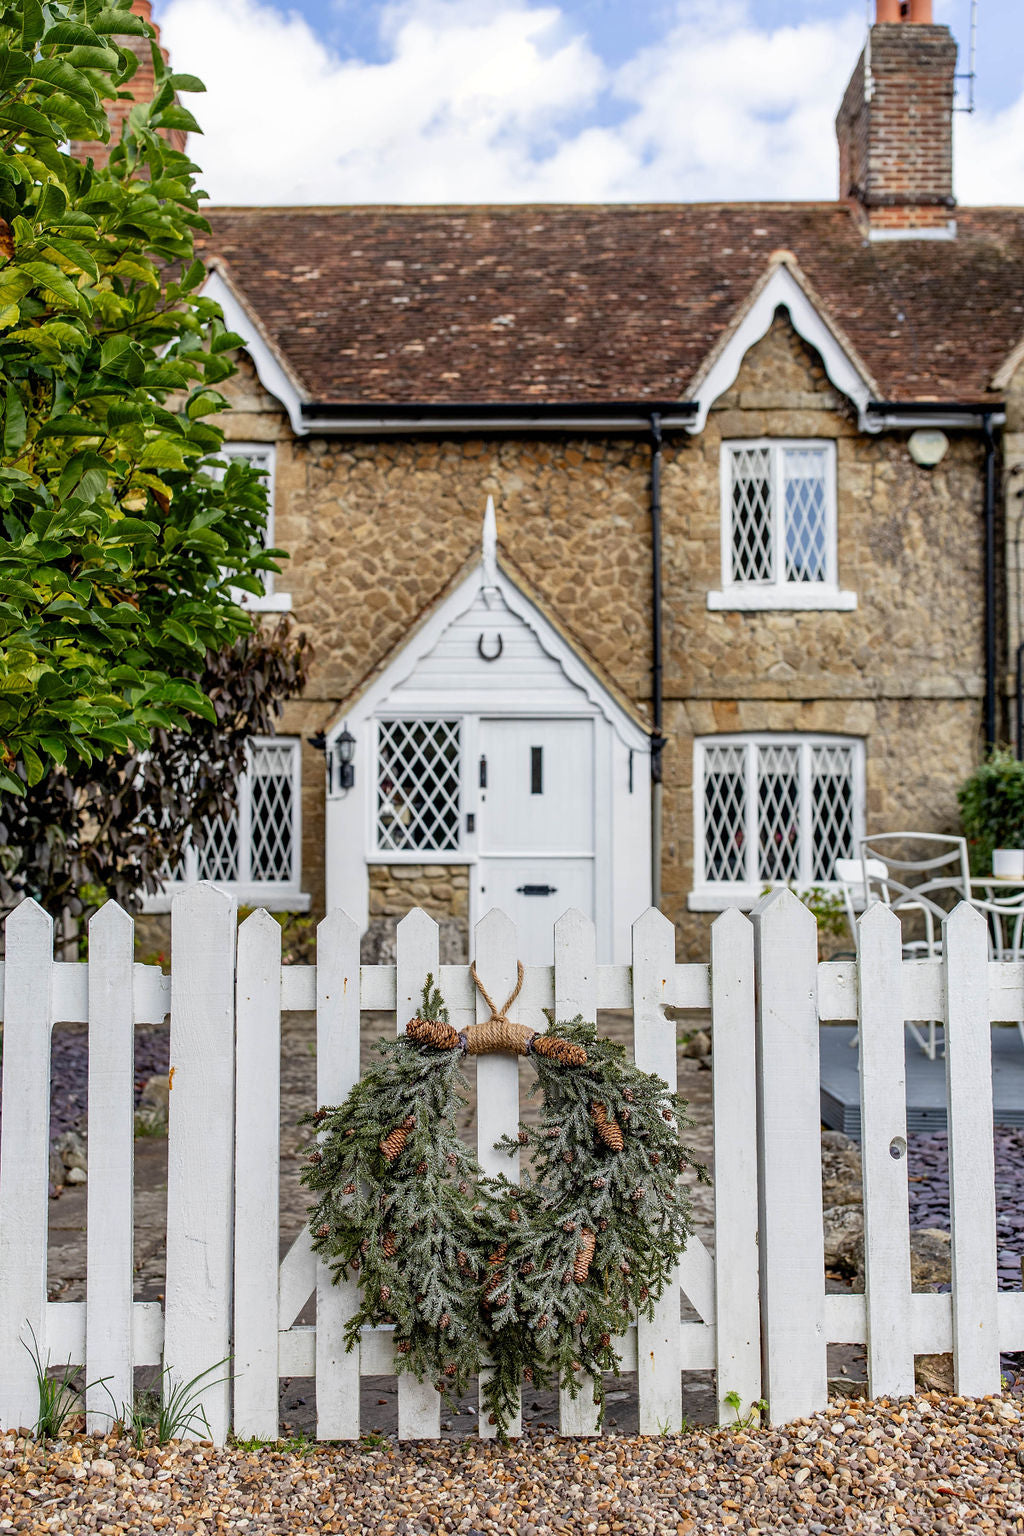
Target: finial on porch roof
{"x": 490, "y": 545}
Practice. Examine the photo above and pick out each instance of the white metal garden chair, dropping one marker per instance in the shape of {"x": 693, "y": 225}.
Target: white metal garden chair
{"x": 865, "y": 880}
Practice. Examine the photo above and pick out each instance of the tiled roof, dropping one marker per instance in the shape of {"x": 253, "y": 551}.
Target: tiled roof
{"x": 564, "y": 304}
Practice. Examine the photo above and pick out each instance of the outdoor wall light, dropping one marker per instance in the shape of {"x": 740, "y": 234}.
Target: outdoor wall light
{"x": 345, "y": 751}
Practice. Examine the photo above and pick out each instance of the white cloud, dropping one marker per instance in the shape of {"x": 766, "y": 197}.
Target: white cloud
{"x": 501, "y": 100}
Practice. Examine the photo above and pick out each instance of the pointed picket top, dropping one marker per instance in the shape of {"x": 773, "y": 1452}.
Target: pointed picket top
{"x": 493, "y": 929}
{"x": 965, "y": 923}
{"x": 110, "y": 920}
{"x": 490, "y": 545}
{"x": 878, "y": 919}
{"x": 783, "y": 908}
{"x": 653, "y": 924}
{"x": 732, "y": 920}
{"x": 259, "y": 920}
{"x": 572, "y": 924}
{"x": 416, "y": 924}
{"x": 336, "y": 927}
{"x": 27, "y": 918}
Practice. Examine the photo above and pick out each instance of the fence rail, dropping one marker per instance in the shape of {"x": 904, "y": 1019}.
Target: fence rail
{"x": 763, "y": 1319}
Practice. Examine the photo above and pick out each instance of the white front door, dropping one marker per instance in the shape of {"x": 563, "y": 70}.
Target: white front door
{"x": 536, "y": 825}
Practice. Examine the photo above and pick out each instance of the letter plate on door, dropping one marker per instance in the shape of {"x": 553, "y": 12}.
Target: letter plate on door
{"x": 536, "y": 890}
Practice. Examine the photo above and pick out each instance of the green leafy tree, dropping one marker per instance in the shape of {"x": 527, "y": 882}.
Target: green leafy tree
{"x": 122, "y": 547}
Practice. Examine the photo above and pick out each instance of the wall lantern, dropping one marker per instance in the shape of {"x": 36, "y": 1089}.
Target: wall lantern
{"x": 344, "y": 755}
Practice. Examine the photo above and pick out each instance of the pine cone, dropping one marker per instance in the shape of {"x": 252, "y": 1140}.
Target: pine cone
{"x": 315, "y": 1157}
{"x": 638, "y": 1193}
{"x": 323, "y": 1231}
{"x": 432, "y": 1032}
{"x": 584, "y": 1254}
{"x": 528, "y": 1373}
{"x": 568, "y": 1226}
{"x": 451, "y": 1369}
{"x": 563, "y": 1051}
{"x": 606, "y": 1339}
{"x": 409, "y": 1122}
{"x": 542, "y": 1321}
{"x": 655, "y": 1158}
{"x": 625, "y": 1116}
{"x": 320, "y": 1117}
{"x": 524, "y": 1137}
{"x": 628, "y": 1095}
{"x": 452, "y": 1160}
{"x": 385, "y": 1293}
{"x": 393, "y": 1143}
{"x": 666, "y": 1114}
{"x": 513, "y": 1214}
{"x": 421, "y": 1167}
{"x": 402, "y": 1346}
{"x": 354, "y": 1265}
{"x": 581, "y": 1318}
{"x": 349, "y": 1189}
{"x": 390, "y": 1245}
{"x": 463, "y": 1187}
{"x": 603, "y": 1225}
{"x": 527, "y": 1268}
{"x": 568, "y": 1157}
{"x": 566, "y": 1276}
{"x": 608, "y": 1130}
{"x": 598, "y": 1183}
{"x": 445, "y": 1321}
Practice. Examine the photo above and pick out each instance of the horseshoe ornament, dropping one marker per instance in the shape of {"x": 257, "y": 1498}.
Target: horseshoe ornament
{"x": 493, "y": 656}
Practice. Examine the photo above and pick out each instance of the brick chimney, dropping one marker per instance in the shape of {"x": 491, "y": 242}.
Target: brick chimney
{"x": 142, "y": 87}
{"x": 895, "y": 126}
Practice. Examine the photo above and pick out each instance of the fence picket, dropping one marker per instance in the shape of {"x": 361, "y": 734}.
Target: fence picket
{"x": 419, "y": 1404}
{"x": 972, "y": 1206}
{"x": 883, "y": 1098}
{"x": 792, "y": 1250}
{"x": 497, "y": 1079}
{"x": 110, "y": 1264}
{"x": 337, "y": 1071}
{"x": 200, "y": 1137}
{"x": 257, "y": 1175}
{"x": 24, "y": 1158}
{"x": 658, "y": 1343}
{"x": 734, "y": 1089}
{"x": 576, "y": 994}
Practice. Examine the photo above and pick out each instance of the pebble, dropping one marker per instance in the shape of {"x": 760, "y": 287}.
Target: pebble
{"x": 926, "y": 1464}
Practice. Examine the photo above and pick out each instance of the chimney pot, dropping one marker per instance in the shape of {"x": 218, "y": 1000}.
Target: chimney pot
{"x": 921, "y": 10}
{"x": 887, "y": 10}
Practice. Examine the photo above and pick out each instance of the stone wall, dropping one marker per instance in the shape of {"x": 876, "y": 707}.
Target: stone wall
{"x": 378, "y": 529}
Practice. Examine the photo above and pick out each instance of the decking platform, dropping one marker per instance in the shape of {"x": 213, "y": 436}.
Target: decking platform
{"x": 926, "y": 1081}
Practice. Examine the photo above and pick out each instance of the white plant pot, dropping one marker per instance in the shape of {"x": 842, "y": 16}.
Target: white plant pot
{"x": 1008, "y": 863}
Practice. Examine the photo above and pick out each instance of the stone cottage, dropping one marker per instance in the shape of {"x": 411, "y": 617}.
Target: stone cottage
{"x": 741, "y": 596}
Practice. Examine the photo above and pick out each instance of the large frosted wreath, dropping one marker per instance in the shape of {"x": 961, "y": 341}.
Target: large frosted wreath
{"x": 536, "y": 1280}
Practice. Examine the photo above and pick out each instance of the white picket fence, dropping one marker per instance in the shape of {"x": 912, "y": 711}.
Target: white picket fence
{"x": 764, "y": 1319}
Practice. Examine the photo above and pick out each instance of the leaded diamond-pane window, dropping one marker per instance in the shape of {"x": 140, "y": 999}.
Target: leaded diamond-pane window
{"x": 725, "y": 817}
{"x": 259, "y": 844}
{"x": 418, "y": 786}
{"x": 777, "y": 809}
{"x": 261, "y": 457}
{"x": 779, "y": 507}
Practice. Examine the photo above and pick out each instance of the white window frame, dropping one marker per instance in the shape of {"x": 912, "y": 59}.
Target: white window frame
{"x": 465, "y": 853}
{"x": 716, "y": 895}
{"x": 268, "y": 601}
{"x": 753, "y": 596}
{"x": 275, "y": 895}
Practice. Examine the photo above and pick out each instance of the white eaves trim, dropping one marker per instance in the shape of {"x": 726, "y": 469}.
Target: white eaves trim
{"x": 269, "y": 369}
{"x": 487, "y": 575}
{"x": 782, "y": 289}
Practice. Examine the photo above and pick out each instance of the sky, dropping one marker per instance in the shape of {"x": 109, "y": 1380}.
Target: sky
{"x": 447, "y": 101}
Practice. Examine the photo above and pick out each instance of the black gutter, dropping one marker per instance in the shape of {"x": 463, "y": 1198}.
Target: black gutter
{"x": 933, "y": 407}
{"x": 638, "y": 412}
{"x": 657, "y": 661}
{"x": 990, "y": 580}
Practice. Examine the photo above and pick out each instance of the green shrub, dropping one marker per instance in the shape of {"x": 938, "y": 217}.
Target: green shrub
{"x": 992, "y": 807}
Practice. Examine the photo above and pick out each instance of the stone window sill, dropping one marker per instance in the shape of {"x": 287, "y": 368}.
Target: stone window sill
{"x": 782, "y": 599}
{"x": 274, "y": 900}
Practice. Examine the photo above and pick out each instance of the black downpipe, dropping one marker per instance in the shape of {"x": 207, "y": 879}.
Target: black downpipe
{"x": 657, "y": 661}
{"x": 990, "y": 582}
